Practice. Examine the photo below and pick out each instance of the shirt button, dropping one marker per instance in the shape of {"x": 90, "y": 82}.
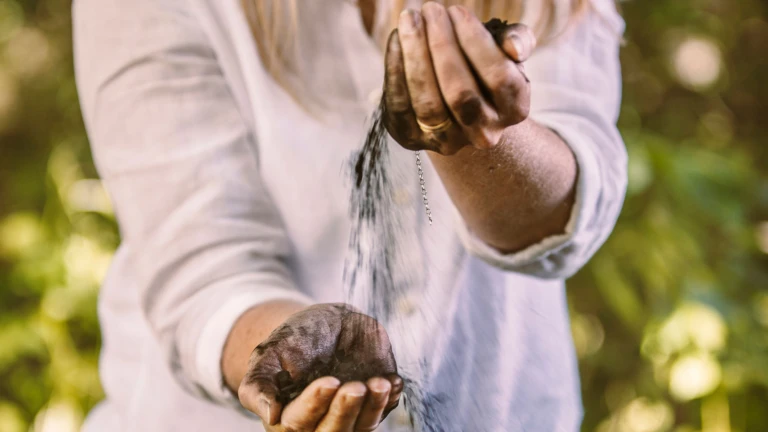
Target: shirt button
{"x": 401, "y": 196}
{"x": 406, "y": 305}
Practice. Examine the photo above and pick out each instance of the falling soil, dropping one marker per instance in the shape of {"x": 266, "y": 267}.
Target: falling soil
{"x": 372, "y": 258}
{"x": 373, "y": 247}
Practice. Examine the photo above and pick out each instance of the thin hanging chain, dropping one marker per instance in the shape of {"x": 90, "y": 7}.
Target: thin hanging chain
{"x": 423, "y": 188}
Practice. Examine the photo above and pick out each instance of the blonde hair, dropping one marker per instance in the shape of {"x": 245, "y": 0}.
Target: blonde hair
{"x": 276, "y": 43}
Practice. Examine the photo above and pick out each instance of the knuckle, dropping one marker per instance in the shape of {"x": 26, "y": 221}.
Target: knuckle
{"x": 460, "y": 98}
{"x": 518, "y": 112}
{"x": 467, "y": 105}
{"x": 522, "y": 112}
{"x": 440, "y": 43}
{"x": 396, "y": 104}
{"x": 501, "y": 78}
{"x": 428, "y": 108}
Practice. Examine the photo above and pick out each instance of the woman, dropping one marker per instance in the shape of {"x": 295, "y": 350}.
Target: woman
{"x": 220, "y": 129}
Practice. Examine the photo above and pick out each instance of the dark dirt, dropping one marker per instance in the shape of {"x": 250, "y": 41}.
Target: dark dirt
{"x": 497, "y": 27}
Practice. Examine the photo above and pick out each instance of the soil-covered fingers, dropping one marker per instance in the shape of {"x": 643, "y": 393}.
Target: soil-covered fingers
{"x": 258, "y": 390}
{"x": 500, "y": 75}
{"x": 519, "y": 41}
{"x": 305, "y": 412}
{"x": 400, "y": 119}
{"x": 422, "y": 83}
{"x": 457, "y": 83}
{"x": 345, "y": 408}
{"x": 396, "y": 391}
{"x": 375, "y": 402}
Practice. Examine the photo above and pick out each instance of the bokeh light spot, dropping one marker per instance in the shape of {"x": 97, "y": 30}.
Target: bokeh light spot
{"x": 693, "y": 324}
{"x": 28, "y": 53}
{"x": 697, "y": 63}
{"x": 86, "y": 262}
{"x": 643, "y": 415}
{"x": 89, "y": 195}
{"x": 59, "y": 417}
{"x": 11, "y": 419}
{"x": 693, "y": 376}
{"x": 19, "y": 232}
{"x": 588, "y": 334}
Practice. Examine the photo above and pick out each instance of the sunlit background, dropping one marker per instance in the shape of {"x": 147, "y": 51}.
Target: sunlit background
{"x": 670, "y": 319}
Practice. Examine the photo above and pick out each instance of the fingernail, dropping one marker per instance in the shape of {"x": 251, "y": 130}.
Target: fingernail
{"x": 354, "y": 396}
{"x": 327, "y": 392}
{"x": 408, "y": 20}
{"x": 430, "y": 9}
{"x": 458, "y": 12}
{"x": 517, "y": 43}
{"x": 264, "y": 407}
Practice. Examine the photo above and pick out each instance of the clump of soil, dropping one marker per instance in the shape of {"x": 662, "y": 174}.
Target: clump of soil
{"x": 497, "y": 28}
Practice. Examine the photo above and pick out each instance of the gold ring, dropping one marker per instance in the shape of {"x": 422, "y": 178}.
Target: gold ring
{"x": 443, "y": 126}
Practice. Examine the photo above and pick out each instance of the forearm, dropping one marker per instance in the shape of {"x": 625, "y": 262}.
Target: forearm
{"x": 249, "y": 330}
{"x": 516, "y": 193}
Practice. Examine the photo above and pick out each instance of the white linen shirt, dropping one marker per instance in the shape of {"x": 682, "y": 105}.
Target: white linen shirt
{"x": 229, "y": 195}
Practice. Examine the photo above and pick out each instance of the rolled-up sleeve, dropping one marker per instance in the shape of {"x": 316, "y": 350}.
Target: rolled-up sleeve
{"x": 203, "y": 241}
{"x": 576, "y": 92}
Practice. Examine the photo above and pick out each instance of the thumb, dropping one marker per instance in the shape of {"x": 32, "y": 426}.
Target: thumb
{"x": 518, "y": 42}
{"x": 258, "y": 392}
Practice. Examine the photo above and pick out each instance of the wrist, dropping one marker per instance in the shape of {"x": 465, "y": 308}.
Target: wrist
{"x": 250, "y": 329}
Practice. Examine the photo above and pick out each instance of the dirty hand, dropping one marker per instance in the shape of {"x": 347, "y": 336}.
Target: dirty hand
{"x": 449, "y": 84}
{"x": 326, "y": 368}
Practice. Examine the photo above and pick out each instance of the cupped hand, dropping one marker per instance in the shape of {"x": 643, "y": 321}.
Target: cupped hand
{"x": 449, "y": 84}
{"x": 328, "y": 406}
{"x": 326, "y": 368}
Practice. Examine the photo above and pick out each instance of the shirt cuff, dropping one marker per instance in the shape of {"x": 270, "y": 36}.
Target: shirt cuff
{"x": 213, "y": 336}
{"x": 203, "y": 333}
{"x": 548, "y": 258}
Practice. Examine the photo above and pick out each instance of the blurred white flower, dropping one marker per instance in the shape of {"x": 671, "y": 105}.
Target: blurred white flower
{"x": 643, "y": 415}
{"x": 59, "y": 417}
{"x": 693, "y": 323}
{"x": 86, "y": 262}
{"x": 697, "y": 62}
{"x": 19, "y": 233}
{"x": 694, "y": 376}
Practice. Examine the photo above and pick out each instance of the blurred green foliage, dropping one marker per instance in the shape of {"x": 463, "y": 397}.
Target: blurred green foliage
{"x": 670, "y": 319}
